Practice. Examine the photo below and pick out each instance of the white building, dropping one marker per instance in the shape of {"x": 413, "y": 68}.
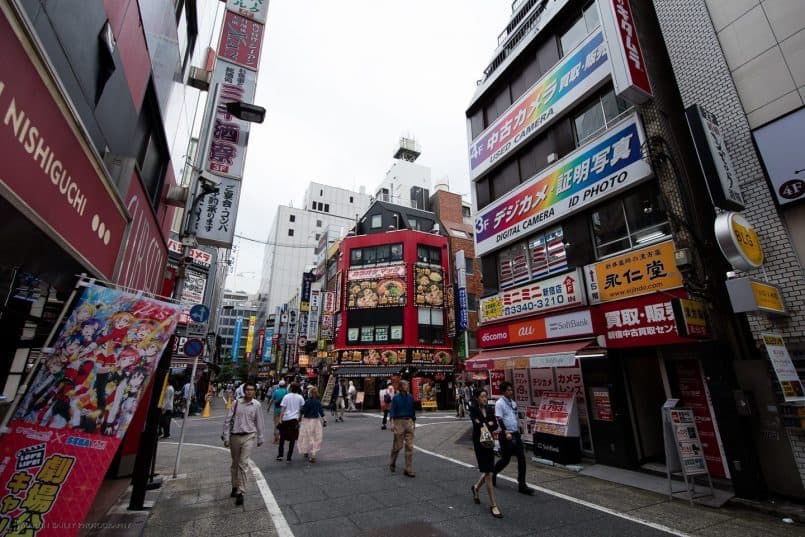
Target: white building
{"x": 294, "y": 235}
{"x": 407, "y": 183}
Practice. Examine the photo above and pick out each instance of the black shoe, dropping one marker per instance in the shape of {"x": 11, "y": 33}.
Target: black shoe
{"x": 239, "y": 499}
{"x": 526, "y": 490}
{"x": 382, "y": 427}
{"x": 406, "y": 473}
{"x": 233, "y": 493}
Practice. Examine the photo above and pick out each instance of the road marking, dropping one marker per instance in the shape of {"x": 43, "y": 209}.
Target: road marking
{"x": 565, "y": 497}
{"x": 283, "y": 530}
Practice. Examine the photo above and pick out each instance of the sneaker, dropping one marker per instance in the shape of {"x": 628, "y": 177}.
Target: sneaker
{"x": 239, "y": 499}
{"x": 288, "y": 461}
{"x": 279, "y": 459}
{"x": 233, "y": 493}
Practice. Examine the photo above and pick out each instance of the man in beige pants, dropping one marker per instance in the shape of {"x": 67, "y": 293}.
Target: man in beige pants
{"x": 403, "y": 421}
{"x": 242, "y": 426}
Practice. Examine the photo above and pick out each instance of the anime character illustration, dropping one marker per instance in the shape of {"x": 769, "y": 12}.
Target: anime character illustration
{"x": 68, "y": 398}
{"x": 108, "y": 345}
{"x": 139, "y": 331}
{"x": 84, "y": 312}
{"x": 150, "y": 350}
{"x": 35, "y": 405}
{"x": 125, "y": 403}
{"x": 88, "y": 330}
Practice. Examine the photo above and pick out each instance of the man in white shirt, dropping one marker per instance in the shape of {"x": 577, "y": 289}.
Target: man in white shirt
{"x": 167, "y": 412}
{"x": 511, "y": 443}
{"x": 242, "y": 426}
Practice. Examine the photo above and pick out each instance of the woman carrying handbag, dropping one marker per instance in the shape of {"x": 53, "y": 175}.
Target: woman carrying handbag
{"x": 483, "y": 424}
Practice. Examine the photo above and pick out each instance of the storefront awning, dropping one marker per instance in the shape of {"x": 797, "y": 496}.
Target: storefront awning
{"x": 550, "y": 355}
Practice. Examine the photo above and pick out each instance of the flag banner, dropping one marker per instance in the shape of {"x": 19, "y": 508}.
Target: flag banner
{"x": 75, "y": 413}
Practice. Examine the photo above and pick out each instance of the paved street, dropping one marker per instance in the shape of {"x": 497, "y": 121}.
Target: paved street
{"x": 349, "y": 491}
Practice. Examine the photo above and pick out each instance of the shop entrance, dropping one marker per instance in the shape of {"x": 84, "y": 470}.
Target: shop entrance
{"x": 608, "y": 409}
{"x": 646, "y": 396}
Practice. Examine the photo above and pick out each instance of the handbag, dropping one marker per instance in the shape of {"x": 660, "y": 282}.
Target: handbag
{"x": 486, "y": 437}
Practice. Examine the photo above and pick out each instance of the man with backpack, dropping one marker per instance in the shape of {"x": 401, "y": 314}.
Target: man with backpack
{"x": 386, "y": 395}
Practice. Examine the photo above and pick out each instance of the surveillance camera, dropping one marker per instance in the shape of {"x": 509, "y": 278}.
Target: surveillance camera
{"x": 209, "y": 183}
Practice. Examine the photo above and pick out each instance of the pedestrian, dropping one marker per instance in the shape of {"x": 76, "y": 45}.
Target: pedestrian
{"x": 351, "y": 394}
{"x": 312, "y": 429}
{"x": 187, "y": 395}
{"x": 291, "y": 407}
{"x": 340, "y": 395}
{"x": 276, "y": 399}
{"x": 167, "y": 412}
{"x": 386, "y": 396}
{"x": 459, "y": 401}
{"x": 243, "y": 426}
{"x": 511, "y": 443}
{"x": 239, "y": 391}
{"x": 484, "y": 453}
{"x": 403, "y": 420}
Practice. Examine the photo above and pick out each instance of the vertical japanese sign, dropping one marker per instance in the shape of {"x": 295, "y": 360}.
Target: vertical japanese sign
{"x": 216, "y": 214}
{"x": 261, "y": 341}
{"x": 784, "y": 368}
{"x": 269, "y": 343}
{"x": 629, "y": 74}
{"x": 236, "y": 339}
{"x": 241, "y": 40}
{"x": 253, "y": 9}
{"x": 76, "y": 411}
{"x": 250, "y": 337}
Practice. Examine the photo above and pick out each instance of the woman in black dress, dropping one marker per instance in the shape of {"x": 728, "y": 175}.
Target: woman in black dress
{"x": 484, "y": 455}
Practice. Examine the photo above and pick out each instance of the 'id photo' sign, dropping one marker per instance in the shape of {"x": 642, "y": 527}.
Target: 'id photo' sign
{"x": 76, "y": 411}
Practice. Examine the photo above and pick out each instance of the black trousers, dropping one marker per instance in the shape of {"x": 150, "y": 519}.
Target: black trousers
{"x": 509, "y": 448}
{"x": 385, "y": 416}
{"x": 165, "y": 422}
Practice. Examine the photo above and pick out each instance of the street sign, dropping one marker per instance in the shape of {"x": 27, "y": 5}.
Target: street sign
{"x": 200, "y": 313}
{"x": 196, "y": 329}
{"x": 193, "y": 347}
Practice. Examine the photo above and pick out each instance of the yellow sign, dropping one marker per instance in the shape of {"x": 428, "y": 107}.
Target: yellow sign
{"x": 638, "y": 272}
{"x": 767, "y": 297}
{"x": 492, "y": 308}
{"x": 250, "y": 335}
{"x": 693, "y": 317}
{"x": 747, "y": 240}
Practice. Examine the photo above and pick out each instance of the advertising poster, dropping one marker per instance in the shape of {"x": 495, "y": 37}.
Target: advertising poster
{"x": 77, "y": 409}
{"x": 496, "y": 376}
{"x": 381, "y": 287}
{"x": 429, "y": 289}
{"x": 554, "y": 414}
{"x": 695, "y": 396}
{"x": 602, "y": 404}
{"x": 784, "y": 368}
{"x": 688, "y": 444}
{"x": 559, "y": 292}
{"x": 541, "y": 382}
{"x": 520, "y": 384}
{"x": 416, "y": 388}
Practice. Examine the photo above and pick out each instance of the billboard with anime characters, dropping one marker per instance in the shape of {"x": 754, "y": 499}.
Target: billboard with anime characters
{"x": 76, "y": 410}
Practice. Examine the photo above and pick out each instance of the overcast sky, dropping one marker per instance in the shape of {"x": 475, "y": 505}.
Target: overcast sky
{"x": 342, "y": 81}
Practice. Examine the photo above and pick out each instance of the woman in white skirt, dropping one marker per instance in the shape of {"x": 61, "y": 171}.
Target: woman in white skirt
{"x": 311, "y": 430}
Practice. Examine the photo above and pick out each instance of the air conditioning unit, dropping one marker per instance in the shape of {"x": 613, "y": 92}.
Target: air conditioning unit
{"x": 199, "y": 78}
{"x": 552, "y": 157}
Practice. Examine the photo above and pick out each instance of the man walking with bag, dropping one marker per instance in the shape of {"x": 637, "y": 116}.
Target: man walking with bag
{"x": 511, "y": 443}
{"x": 243, "y": 426}
{"x": 403, "y": 420}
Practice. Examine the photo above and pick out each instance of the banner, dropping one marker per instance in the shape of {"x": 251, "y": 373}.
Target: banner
{"x": 559, "y": 292}
{"x": 570, "y": 80}
{"x": 71, "y": 420}
{"x": 608, "y": 164}
{"x": 429, "y": 291}
{"x": 250, "y": 336}
{"x": 236, "y": 339}
{"x": 787, "y": 374}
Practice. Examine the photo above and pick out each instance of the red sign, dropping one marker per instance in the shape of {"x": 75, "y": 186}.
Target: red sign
{"x": 144, "y": 255}
{"x": 241, "y": 40}
{"x": 261, "y": 338}
{"x": 628, "y": 67}
{"x": 641, "y": 321}
{"x": 329, "y": 302}
{"x": 696, "y": 397}
{"x": 48, "y": 167}
{"x": 577, "y": 323}
{"x": 496, "y": 376}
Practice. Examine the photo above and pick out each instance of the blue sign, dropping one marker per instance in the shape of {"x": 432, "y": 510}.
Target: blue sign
{"x": 267, "y": 343}
{"x": 193, "y": 347}
{"x": 200, "y": 313}
{"x": 463, "y": 313}
{"x": 236, "y": 339}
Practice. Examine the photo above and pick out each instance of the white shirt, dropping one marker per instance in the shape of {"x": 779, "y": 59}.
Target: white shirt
{"x": 292, "y": 403}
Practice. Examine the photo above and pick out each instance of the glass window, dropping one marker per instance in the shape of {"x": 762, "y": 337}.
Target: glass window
{"x": 472, "y": 302}
{"x": 539, "y": 256}
{"x": 469, "y": 265}
{"x": 290, "y": 233}
{"x": 598, "y": 115}
{"x": 382, "y": 253}
{"x": 396, "y": 252}
{"x": 396, "y": 332}
{"x": 351, "y": 199}
{"x": 413, "y": 223}
{"x": 356, "y": 257}
{"x": 352, "y": 335}
{"x": 377, "y": 221}
{"x": 317, "y": 236}
{"x": 466, "y": 212}
{"x": 631, "y": 221}
{"x": 369, "y": 256}
{"x": 292, "y": 218}
{"x": 428, "y": 254}
{"x": 326, "y": 207}
{"x": 318, "y": 223}
{"x": 581, "y": 28}
{"x": 381, "y": 334}
{"x": 367, "y": 334}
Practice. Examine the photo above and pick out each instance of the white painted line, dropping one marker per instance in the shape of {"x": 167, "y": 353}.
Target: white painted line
{"x": 283, "y": 530}
{"x": 607, "y": 510}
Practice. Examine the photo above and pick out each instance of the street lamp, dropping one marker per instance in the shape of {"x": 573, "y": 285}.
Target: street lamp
{"x": 246, "y": 112}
